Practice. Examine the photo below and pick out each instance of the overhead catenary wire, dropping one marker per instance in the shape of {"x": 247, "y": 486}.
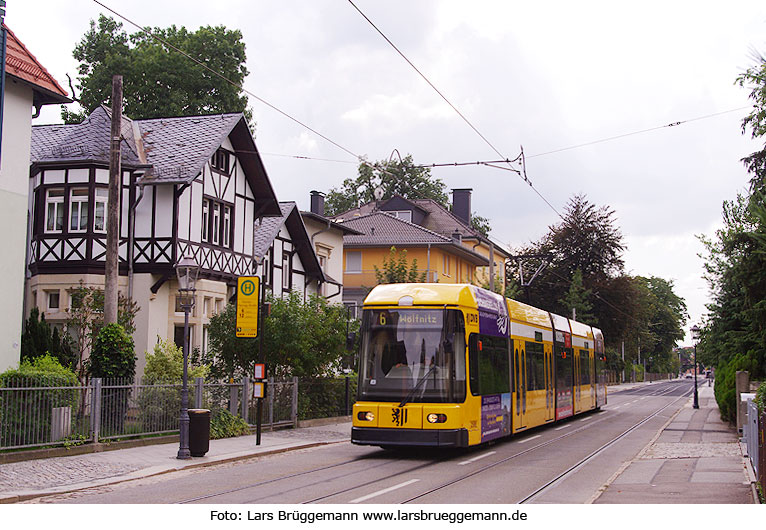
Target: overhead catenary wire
{"x": 522, "y": 173}
{"x": 224, "y": 78}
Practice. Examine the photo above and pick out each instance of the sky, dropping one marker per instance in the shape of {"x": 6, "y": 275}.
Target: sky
{"x": 559, "y": 79}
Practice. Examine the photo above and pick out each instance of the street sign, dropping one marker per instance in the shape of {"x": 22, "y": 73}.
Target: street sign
{"x": 248, "y": 290}
{"x": 259, "y": 390}
{"x": 260, "y": 371}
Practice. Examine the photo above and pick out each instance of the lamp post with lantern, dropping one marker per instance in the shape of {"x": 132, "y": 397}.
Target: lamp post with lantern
{"x": 187, "y": 270}
{"x": 695, "y": 337}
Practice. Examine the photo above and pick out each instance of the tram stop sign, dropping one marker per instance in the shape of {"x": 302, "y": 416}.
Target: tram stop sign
{"x": 248, "y": 291}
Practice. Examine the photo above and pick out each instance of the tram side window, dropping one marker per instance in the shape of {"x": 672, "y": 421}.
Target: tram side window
{"x": 535, "y": 366}
{"x": 488, "y": 365}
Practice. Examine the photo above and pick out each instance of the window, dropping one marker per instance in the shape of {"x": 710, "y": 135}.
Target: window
{"x": 220, "y": 161}
{"x": 99, "y": 218}
{"x": 287, "y": 271}
{"x": 446, "y": 265}
{"x": 53, "y": 300}
{"x": 404, "y": 215}
{"x": 535, "y": 366}
{"x": 78, "y": 210}
{"x": 216, "y": 223}
{"x": 489, "y": 370}
{"x": 226, "y": 226}
{"x": 206, "y": 307}
{"x": 205, "y": 219}
{"x": 354, "y": 261}
{"x": 54, "y": 210}
{"x": 178, "y": 336}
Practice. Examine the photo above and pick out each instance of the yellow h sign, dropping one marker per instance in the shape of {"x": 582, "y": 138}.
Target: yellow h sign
{"x": 248, "y": 291}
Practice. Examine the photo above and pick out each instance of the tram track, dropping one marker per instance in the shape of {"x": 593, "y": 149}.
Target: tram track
{"x": 566, "y": 472}
{"x": 436, "y": 461}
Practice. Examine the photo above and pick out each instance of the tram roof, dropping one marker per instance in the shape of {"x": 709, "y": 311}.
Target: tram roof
{"x": 422, "y": 294}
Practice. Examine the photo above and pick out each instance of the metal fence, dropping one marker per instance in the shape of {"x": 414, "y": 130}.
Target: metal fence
{"x": 751, "y": 432}
{"x": 33, "y": 416}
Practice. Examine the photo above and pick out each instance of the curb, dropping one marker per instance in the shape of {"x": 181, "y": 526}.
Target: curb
{"x": 15, "y": 498}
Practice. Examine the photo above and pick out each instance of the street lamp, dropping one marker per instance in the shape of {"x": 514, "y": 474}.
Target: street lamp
{"x": 695, "y": 337}
{"x": 187, "y": 270}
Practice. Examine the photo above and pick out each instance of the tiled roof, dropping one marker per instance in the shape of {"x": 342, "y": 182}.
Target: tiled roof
{"x": 20, "y": 63}
{"x": 438, "y": 218}
{"x": 89, "y": 140}
{"x": 380, "y": 228}
{"x": 177, "y": 148}
{"x": 267, "y": 230}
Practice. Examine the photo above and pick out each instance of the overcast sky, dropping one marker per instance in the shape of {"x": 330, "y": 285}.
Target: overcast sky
{"x": 542, "y": 75}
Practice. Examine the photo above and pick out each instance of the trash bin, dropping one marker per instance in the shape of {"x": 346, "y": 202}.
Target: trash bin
{"x": 199, "y": 431}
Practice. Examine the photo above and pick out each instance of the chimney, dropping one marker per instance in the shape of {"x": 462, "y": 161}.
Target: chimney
{"x": 317, "y": 202}
{"x": 461, "y": 204}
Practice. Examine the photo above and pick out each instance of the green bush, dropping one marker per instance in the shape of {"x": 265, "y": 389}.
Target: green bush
{"x": 726, "y": 384}
{"x": 112, "y": 359}
{"x": 760, "y": 398}
{"x": 224, "y": 424}
{"x": 17, "y": 425}
{"x": 160, "y": 405}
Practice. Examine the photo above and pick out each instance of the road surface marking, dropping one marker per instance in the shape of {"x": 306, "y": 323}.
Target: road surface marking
{"x": 474, "y": 459}
{"x": 383, "y": 492}
{"x": 525, "y": 440}
{"x": 586, "y": 419}
{"x": 563, "y": 427}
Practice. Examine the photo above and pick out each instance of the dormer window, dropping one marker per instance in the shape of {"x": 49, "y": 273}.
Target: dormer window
{"x": 220, "y": 161}
{"x": 404, "y": 215}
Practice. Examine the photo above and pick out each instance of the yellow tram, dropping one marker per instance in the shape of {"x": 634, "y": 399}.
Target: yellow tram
{"x": 452, "y": 365}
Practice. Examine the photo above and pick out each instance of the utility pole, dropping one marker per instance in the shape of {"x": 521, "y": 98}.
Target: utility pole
{"x": 112, "y": 206}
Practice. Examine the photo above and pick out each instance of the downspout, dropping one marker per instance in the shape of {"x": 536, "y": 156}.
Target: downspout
{"x": 4, "y": 39}
{"x": 131, "y": 239}
{"x": 428, "y": 260}
{"x": 132, "y": 224}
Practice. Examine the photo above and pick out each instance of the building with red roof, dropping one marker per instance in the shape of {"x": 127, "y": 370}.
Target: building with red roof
{"x": 26, "y": 87}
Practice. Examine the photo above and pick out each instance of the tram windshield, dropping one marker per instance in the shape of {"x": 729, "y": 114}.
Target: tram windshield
{"x": 417, "y": 355}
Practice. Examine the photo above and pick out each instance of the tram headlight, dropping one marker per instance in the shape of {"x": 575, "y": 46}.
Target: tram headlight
{"x": 366, "y": 416}
{"x": 436, "y": 418}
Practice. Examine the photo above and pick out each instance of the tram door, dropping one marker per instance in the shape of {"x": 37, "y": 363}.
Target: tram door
{"x": 550, "y": 394}
{"x": 519, "y": 385}
{"x": 577, "y": 379}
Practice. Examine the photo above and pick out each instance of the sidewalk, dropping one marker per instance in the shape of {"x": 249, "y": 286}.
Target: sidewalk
{"x": 29, "y": 479}
{"x": 695, "y": 459}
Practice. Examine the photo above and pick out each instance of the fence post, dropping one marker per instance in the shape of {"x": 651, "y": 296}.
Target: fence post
{"x": 198, "y": 389}
{"x": 95, "y": 409}
{"x": 295, "y": 403}
{"x": 271, "y": 390}
{"x": 244, "y": 409}
{"x": 233, "y": 391}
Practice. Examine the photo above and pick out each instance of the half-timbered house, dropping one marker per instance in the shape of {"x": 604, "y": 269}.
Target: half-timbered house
{"x": 190, "y": 186}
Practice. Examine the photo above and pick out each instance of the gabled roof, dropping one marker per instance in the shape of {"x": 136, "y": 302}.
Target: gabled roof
{"x": 176, "y": 148}
{"x": 437, "y": 219}
{"x": 381, "y": 229}
{"x": 342, "y": 227}
{"x": 290, "y": 218}
{"x": 21, "y": 64}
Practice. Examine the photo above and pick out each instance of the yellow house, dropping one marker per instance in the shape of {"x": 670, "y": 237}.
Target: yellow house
{"x": 447, "y": 249}
{"x": 480, "y": 262}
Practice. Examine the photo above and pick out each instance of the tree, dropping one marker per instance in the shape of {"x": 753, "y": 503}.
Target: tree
{"x": 391, "y": 177}
{"x": 86, "y": 318}
{"x": 159, "y": 81}
{"x": 577, "y": 299}
{"x": 395, "y": 269}
{"x": 39, "y": 339}
{"x": 300, "y": 338}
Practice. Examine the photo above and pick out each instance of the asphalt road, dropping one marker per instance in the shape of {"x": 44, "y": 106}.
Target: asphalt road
{"x": 562, "y": 463}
